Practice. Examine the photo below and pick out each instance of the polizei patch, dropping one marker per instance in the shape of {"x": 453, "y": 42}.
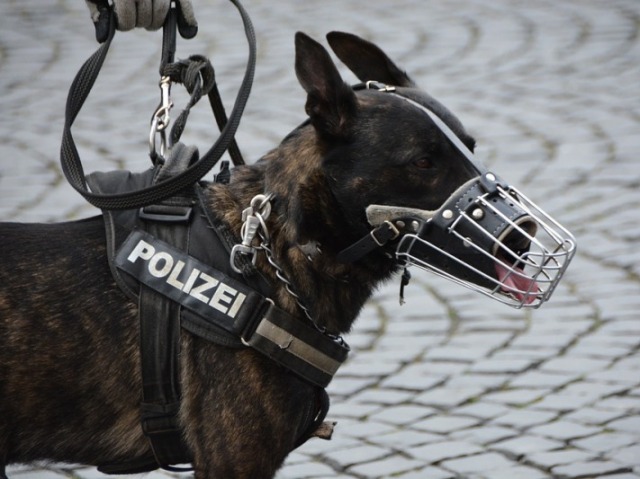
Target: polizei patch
{"x": 184, "y": 279}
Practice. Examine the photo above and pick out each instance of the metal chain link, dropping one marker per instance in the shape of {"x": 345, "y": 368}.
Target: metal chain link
{"x": 254, "y": 222}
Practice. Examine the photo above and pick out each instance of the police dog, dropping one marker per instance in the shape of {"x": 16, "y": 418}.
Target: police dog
{"x": 70, "y": 379}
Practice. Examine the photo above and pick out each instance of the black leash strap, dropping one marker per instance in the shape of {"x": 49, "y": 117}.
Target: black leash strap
{"x": 78, "y": 93}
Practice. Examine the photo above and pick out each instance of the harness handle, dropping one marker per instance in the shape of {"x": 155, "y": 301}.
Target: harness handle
{"x": 78, "y": 93}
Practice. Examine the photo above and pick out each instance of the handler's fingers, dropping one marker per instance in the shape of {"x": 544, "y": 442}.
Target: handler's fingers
{"x": 187, "y": 23}
{"x": 157, "y": 14}
{"x": 149, "y": 14}
{"x": 126, "y": 14}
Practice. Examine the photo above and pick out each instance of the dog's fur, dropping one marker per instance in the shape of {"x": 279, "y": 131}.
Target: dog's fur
{"x": 70, "y": 383}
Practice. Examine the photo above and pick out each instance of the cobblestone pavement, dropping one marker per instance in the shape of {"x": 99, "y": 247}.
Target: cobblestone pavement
{"x": 450, "y": 385}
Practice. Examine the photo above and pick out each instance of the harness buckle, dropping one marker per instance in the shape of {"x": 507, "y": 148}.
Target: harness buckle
{"x": 251, "y": 326}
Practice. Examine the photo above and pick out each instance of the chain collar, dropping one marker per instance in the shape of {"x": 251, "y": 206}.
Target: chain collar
{"x": 254, "y": 226}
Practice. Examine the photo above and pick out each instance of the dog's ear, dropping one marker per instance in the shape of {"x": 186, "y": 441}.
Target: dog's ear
{"x": 366, "y": 60}
{"x": 331, "y": 103}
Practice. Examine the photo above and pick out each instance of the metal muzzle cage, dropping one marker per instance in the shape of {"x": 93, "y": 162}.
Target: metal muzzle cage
{"x": 491, "y": 238}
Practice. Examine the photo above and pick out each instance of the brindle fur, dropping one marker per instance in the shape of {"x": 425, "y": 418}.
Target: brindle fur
{"x": 69, "y": 375}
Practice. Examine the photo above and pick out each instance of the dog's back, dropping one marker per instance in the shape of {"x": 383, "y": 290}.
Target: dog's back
{"x": 60, "y": 312}
{"x": 70, "y": 382}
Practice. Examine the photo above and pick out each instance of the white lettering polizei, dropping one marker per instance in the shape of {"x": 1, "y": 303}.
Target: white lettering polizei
{"x": 192, "y": 281}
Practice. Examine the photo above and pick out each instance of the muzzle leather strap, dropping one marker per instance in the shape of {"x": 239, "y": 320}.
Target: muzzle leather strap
{"x": 377, "y": 237}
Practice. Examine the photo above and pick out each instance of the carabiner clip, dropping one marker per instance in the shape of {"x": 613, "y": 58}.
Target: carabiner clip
{"x": 161, "y": 119}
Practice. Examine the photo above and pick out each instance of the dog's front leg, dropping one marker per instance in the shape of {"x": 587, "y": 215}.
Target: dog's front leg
{"x": 242, "y": 413}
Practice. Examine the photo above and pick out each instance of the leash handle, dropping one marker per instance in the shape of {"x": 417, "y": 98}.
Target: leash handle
{"x": 78, "y": 93}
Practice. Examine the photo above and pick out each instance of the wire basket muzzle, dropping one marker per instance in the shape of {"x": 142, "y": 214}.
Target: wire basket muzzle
{"x": 492, "y": 239}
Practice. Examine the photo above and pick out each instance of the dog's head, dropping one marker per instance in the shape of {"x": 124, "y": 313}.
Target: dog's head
{"x": 385, "y": 154}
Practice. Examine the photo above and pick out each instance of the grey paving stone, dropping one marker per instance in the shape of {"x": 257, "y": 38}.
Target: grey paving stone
{"x": 308, "y": 469}
{"x": 578, "y": 365}
{"x": 332, "y": 476}
{"x": 405, "y": 438}
{"x": 548, "y": 459}
{"x": 589, "y": 469}
{"x": 456, "y": 353}
{"x": 486, "y": 434}
{"x": 448, "y": 397}
{"x": 515, "y": 397}
{"x": 479, "y": 463}
{"x": 403, "y": 414}
{"x": 534, "y": 356}
{"x": 437, "y": 452}
{"x": 345, "y": 386}
{"x": 382, "y": 397}
{"x": 548, "y": 342}
{"x": 563, "y": 402}
{"x": 630, "y": 424}
{"x": 492, "y": 365}
{"x": 523, "y": 418}
{"x": 447, "y": 368}
{"x": 620, "y": 403}
{"x": 594, "y": 389}
{"x": 615, "y": 376}
{"x": 605, "y": 441}
{"x": 357, "y": 455}
{"x": 353, "y": 409}
{"x": 519, "y": 472}
{"x": 338, "y": 442}
{"x": 564, "y": 430}
{"x": 599, "y": 351}
{"x": 389, "y": 467}
{"x": 38, "y": 474}
{"x": 482, "y": 410}
{"x": 89, "y": 473}
{"x": 365, "y": 429}
{"x": 526, "y": 444}
{"x": 406, "y": 380}
{"x": 444, "y": 424}
{"x": 629, "y": 456}
{"x": 538, "y": 379}
{"x": 430, "y": 472}
{"x": 368, "y": 368}
{"x": 486, "y": 381}
{"x": 590, "y": 415}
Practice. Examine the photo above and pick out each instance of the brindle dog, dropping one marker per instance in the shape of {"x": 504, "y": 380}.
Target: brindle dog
{"x": 70, "y": 383}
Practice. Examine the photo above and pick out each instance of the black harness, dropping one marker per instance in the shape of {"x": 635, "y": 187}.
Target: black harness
{"x": 172, "y": 259}
{"x": 169, "y": 252}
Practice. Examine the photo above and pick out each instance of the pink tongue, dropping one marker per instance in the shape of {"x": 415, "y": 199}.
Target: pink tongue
{"x": 521, "y": 287}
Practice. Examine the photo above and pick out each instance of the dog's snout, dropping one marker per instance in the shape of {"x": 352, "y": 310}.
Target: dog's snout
{"x": 516, "y": 240}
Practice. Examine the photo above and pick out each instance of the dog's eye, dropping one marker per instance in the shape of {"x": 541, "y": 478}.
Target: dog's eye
{"x": 423, "y": 164}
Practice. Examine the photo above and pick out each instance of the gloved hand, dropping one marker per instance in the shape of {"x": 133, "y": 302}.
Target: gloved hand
{"x": 149, "y": 14}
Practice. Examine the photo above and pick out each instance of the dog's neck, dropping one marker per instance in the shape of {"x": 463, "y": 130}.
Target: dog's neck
{"x": 303, "y": 219}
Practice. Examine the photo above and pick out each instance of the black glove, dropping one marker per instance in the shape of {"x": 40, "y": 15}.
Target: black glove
{"x": 149, "y": 14}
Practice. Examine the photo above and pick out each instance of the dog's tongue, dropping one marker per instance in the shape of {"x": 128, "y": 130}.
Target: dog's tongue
{"x": 520, "y": 286}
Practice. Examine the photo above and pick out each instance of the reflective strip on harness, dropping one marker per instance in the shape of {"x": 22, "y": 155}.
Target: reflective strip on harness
{"x": 185, "y": 280}
{"x": 298, "y": 346}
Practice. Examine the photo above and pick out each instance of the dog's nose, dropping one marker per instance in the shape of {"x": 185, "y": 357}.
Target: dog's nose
{"x": 516, "y": 240}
